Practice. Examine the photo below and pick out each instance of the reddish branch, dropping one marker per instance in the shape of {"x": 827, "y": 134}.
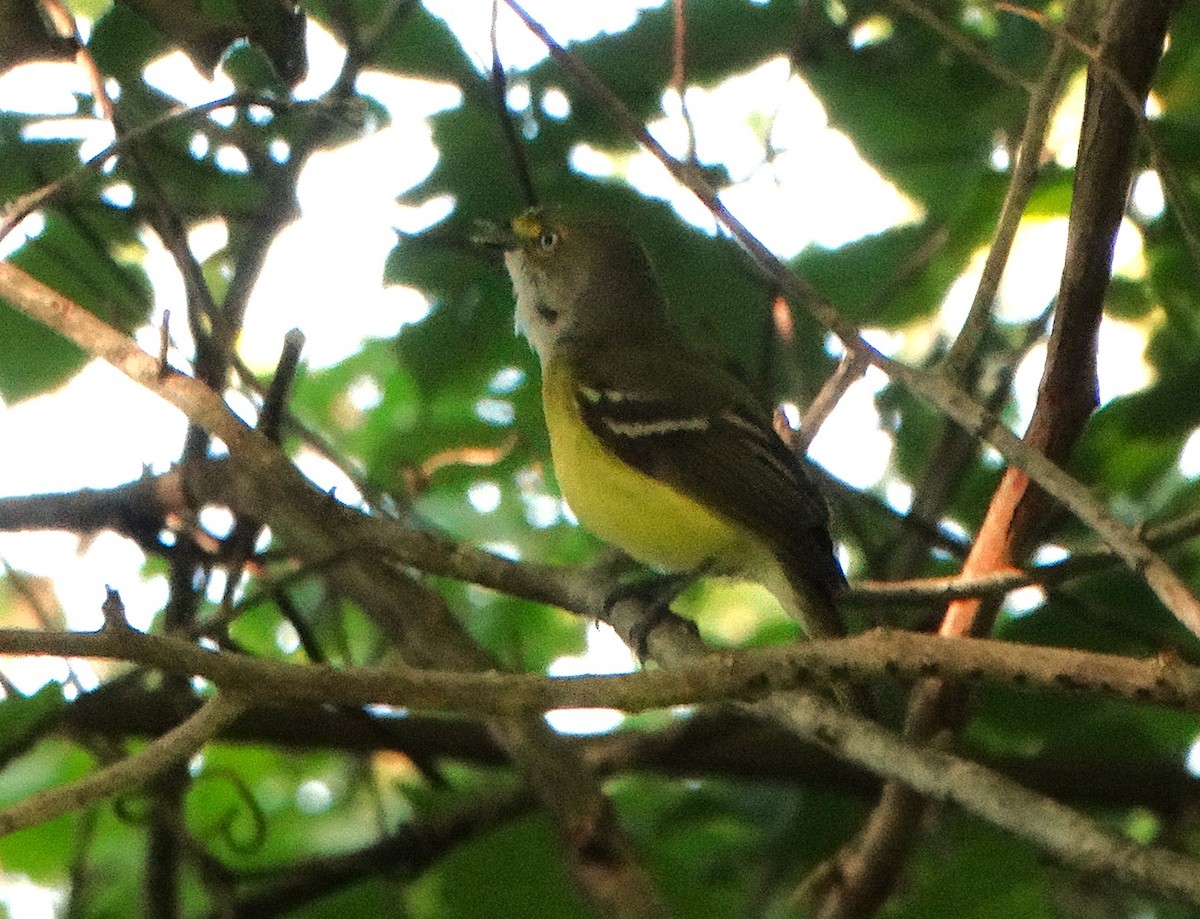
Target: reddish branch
{"x": 1131, "y": 43}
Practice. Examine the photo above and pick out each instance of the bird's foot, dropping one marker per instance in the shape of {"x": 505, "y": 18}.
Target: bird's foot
{"x": 654, "y": 595}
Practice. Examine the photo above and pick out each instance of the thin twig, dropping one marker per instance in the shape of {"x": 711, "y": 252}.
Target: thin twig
{"x": 1016, "y": 197}
{"x": 172, "y": 748}
{"x": 963, "y": 44}
{"x": 512, "y": 139}
{"x": 679, "y": 72}
{"x": 850, "y": 370}
{"x": 1173, "y": 188}
{"x": 275, "y": 403}
{"x": 25, "y": 205}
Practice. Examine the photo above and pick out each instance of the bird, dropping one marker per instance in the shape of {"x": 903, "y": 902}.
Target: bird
{"x": 657, "y": 449}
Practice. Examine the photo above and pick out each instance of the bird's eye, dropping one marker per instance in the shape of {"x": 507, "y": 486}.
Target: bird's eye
{"x": 548, "y": 240}
{"x": 548, "y": 314}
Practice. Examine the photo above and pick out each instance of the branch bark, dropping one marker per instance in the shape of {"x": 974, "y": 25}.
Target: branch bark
{"x": 716, "y": 677}
{"x": 161, "y": 754}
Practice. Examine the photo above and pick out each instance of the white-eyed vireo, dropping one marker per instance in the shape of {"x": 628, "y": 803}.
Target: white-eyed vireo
{"x": 658, "y": 450}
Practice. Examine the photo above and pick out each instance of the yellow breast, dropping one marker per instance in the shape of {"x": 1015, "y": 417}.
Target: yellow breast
{"x": 644, "y": 517}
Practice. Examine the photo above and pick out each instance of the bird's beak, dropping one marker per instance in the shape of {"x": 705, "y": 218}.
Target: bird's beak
{"x": 494, "y": 235}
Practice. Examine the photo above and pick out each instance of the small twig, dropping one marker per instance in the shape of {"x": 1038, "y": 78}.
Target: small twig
{"x": 963, "y": 44}
{"x": 1016, "y": 197}
{"x": 169, "y": 749}
{"x": 516, "y": 149}
{"x": 679, "y": 73}
{"x": 113, "y": 610}
{"x": 65, "y": 23}
{"x": 1180, "y": 205}
{"x": 850, "y": 370}
{"x": 275, "y": 403}
{"x": 25, "y": 205}
{"x": 164, "y": 343}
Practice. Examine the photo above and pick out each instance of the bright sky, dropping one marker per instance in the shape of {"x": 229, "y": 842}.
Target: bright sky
{"x": 815, "y": 189}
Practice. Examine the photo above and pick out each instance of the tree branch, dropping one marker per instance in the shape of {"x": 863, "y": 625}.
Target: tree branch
{"x": 718, "y": 676}
{"x": 172, "y": 748}
{"x": 716, "y": 742}
{"x": 1066, "y": 834}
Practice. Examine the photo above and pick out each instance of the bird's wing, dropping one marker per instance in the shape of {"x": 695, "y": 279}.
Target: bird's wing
{"x": 671, "y": 414}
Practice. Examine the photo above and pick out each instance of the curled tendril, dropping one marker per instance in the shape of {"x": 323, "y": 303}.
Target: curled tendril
{"x": 229, "y": 827}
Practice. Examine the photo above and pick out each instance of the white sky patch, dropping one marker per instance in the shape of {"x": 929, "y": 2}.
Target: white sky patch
{"x": 24, "y": 899}
{"x": 364, "y": 393}
{"x": 507, "y": 380}
{"x": 815, "y": 187}
{"x": 499, "y": 412}
{"x": 216, "y": 521}
{"x": 287, "y": 639}
{"x": 119, "y": 194}
{"x": 1025, "y": 385}
{"x": 231, "y": 159}
{"x": 520, "y": 49}
{"x": 484, "y": 496}
{"x": 1121, "y": 362}
{"x": 328, "y": 477}
{"x": 855, "y": 421}
{"x": 325, "y": 61}
{"x": 1062, "y": 140}
{"x": 505, "y": 550}
{"x": 1024, "y": 600}
{"x": 176, "y": 76}
{"x": 605, "y": 654}
{"x": 314, "y": 797}
{"x": 1193, "y": 758}
{"x": 541, "y": 511}
{"x": 99, "y": 416}
{"x": 1148, "y": 199}
{"x": 899, "y": 496}
{"x": 327, "y": 283}
{"x": 43, "y": 88}
{"x": 556, "y": 104}
{"x": 81, "y": 570}
{"x": 27, "y": 229}
{"x": 1049, "y": 554}
{"x": 1189, "y": 456}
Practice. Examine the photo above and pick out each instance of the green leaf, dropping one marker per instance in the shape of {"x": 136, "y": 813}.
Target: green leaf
{"x": 421, "y": 45}
{"x": 24, "y": 718}
{"x": 76, "y": 256}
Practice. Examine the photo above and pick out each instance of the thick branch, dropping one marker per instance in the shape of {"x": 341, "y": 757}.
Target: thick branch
{"x": 1066, "y": 834}
{"x": 717, "y": 676}
{"x": 716, "y": 742}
